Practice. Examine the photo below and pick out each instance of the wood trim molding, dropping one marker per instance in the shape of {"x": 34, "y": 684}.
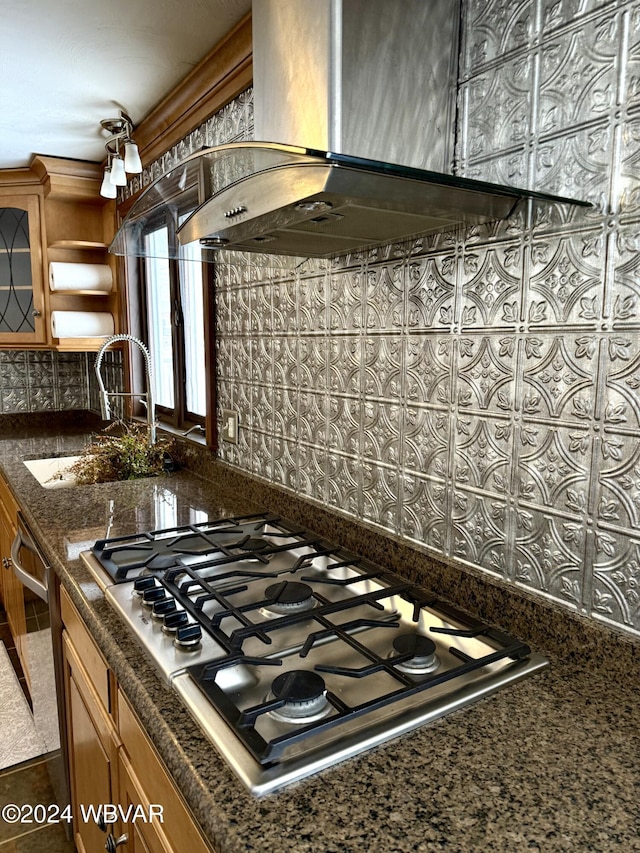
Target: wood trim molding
{"x": 225, "y": 72}
{"x": 71, "y": 179}
{"x": 12, "y": 179}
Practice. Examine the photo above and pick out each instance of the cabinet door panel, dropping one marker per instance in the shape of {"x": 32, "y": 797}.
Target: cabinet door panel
{"x": 90, "y": 770}
{"x": 142, "y": 837}
{"x": 12, "y": 589}
{"x": 92, "y": 744}
{"x": 93, "y": 664}
{"x": 159, "y": 788}
{"x": 22, "y": 319}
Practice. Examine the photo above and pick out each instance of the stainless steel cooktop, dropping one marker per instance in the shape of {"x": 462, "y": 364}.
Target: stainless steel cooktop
{"x": 290, "y": 652}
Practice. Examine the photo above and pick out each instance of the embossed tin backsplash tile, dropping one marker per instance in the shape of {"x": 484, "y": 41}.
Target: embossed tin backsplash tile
{"x": 478, "y": 393}
{"x": 35, "y": 381}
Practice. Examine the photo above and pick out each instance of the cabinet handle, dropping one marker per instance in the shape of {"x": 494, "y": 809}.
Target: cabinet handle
{"x": 26, "y": 579}
{"x": 36, "y": 313}
{"x": 112, "y": 843}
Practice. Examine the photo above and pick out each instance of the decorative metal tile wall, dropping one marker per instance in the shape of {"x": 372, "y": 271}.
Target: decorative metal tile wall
{"x": 34, "y": 381}
{"x": 112, "y": 371}
{"x": 478, "y": 393}
{"x": 232, "y": 124}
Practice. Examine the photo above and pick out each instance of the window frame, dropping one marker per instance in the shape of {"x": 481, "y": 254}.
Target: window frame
{"x": 178, "y": 418}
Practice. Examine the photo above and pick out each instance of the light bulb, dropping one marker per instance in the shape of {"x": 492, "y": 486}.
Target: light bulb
{"x": 118, "y": 175}
{"x": 132, "y": 162}
{"x": 108, "y": 190}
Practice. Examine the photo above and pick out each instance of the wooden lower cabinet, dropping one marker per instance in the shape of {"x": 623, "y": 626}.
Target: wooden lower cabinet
{"x": 113, "y": 762}
{"x": 177, "y": 831}
{"x": 13, "y": 592}
{"x": 92, "y": 744}
{"x": 12, "y": 597}
{"x": 145, "y": 833}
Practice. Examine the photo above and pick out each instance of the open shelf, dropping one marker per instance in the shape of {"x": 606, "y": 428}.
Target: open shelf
{"x": 79, "y": 344}
{"x": 77, "y": 244}
{"x": 81, "y": 292}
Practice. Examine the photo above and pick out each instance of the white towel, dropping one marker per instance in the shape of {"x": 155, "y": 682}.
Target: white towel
{"x": 81, "y": 324}
{"x": 96, "y": 277}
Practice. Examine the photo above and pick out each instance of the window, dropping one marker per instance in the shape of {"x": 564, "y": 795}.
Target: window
{"x": 159, "y": 320}
{"x": 192, "y": 303}
{"x": 174, "y": 325}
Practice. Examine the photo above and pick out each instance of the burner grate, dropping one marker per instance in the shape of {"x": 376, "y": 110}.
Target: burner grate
{"x": 266, "y": 596}
{"x": 185, "y": 582}
{"x": 210, "y": 542}
{"x": 244, "y": 721}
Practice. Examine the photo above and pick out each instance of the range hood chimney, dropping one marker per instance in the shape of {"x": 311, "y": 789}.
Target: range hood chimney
{"x": 368, "y": 78}
{"x": 356, "y": 101}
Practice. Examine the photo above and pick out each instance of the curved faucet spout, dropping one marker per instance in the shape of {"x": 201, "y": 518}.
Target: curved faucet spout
{"x": 147, "y": 397}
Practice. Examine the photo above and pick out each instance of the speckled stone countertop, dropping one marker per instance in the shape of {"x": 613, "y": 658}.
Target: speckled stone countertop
{"x": 549, "y": 764}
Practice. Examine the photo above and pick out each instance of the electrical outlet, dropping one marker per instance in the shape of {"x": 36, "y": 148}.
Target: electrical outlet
{"x": 230, "y": 425}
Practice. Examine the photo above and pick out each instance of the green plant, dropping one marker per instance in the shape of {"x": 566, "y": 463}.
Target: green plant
{"x": 123, "y": 454}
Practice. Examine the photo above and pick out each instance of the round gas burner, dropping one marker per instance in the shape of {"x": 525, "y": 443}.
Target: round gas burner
{"x": 422, "y": 650}
{"x": 163, "y": 561}
{"x": 303, "y": 694}
{"x": 192, "y": 544}
{"x": 288, "y": 597}
{"x": 254, "y": 544}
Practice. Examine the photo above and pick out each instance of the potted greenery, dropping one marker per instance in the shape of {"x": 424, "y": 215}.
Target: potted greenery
{"x": 122, "y": 452}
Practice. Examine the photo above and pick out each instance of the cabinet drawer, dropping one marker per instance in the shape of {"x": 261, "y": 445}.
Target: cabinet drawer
{"x": 178, "y": 825}
{"x": 93, "y": 663}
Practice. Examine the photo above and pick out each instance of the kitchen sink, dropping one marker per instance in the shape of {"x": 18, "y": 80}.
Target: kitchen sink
{"x": 53, "y": 473}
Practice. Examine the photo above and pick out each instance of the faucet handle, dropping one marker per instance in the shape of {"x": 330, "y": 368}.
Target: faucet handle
{"x": 194, "y": 428}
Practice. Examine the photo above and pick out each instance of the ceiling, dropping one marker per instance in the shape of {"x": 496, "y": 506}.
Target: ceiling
{"x": 67, "y": 64}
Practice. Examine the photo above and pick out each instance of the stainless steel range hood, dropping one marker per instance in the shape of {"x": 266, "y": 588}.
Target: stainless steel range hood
{"x": 362, "y": 94}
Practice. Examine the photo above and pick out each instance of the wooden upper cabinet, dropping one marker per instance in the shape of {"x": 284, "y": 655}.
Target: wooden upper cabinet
{"x": 52, "y": 211}
{"x": 79, "y": 226}
{"x": 22, "y": 320}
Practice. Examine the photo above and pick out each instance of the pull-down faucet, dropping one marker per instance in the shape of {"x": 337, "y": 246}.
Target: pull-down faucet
{"x": 147, "y": 397}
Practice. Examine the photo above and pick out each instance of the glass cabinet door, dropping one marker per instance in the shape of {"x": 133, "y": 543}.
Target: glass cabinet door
{"x": 21, "y": 275}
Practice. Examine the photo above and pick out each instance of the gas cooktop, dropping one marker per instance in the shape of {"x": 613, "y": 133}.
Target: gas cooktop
{"x": 291, "y": 652}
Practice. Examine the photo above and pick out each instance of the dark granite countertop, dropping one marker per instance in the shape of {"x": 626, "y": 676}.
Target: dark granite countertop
{"x": 549, "y": 764}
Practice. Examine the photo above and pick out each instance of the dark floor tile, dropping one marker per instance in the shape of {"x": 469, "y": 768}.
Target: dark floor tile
{"x": 18, "y": 768}
{"x": 15, "y": 662}
{"x": 3, "y": 616}
{"x": 40, "y": 606}
{"x": 34, "y": 607}
{"x": 32, "y": 624}
{"x": 51, "y": 839}
{"x": 44, "y": 620}
{"x": 25, "y": 784}
{"x": 5, "y": 636}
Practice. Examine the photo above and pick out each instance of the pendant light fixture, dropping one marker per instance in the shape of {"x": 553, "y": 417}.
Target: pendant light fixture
{"x": 119, "y": 142}
{"x": 108, "y": 189}
{"x": 118, "y": 174}
{"x": 132, "y": 161}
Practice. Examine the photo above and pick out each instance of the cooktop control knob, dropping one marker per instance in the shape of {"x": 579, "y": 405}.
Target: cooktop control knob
{"x": 142, "y": 583}
{"x": 163, "y": 607}
{"x": 188, "y": 637}
{"x": 175, "y": 620}
{"x": 150, "y": 596}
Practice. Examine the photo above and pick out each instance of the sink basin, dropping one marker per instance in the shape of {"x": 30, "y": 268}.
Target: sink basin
{"x": 53, "y": 473}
